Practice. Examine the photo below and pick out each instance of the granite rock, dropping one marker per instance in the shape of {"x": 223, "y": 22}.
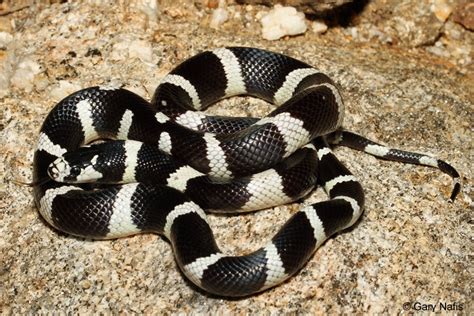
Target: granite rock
{"x": 414, "y": 23}
{"x": 410, "y": 245}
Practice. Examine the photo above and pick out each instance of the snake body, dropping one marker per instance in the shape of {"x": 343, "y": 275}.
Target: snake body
{"x": 173, "y": 161}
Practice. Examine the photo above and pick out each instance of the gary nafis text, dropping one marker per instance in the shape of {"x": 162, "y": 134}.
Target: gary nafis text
{"x": 435, "y": 307}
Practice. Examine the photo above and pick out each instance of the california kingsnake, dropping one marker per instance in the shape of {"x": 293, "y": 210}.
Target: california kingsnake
{"x": 218, "y": 163}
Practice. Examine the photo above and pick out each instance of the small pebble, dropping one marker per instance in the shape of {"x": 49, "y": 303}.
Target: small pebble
{"x": 219, "y": 16}
{"x": 282, "y": 21}
{"x": 86, "y": 284}
{"x": 150, "y": 8}
{"x": 319, "y": 27}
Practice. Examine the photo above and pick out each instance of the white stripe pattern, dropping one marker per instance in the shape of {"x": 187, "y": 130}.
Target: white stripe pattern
{"x": 46, "y": 202}
{"x": 275, "y": 270}
{"x": 356, "y": 210}
{"x": 179, "y": 179}
{"x": 266, "y": 191}
{"x": 376, "y": 150}
{"x": 328, "y": 186}
{"x": 216, "y": 156}
{"x": 429, "y": 161}
{"x": 184, "y": 83}
{"x": 45, "y": 144}
{"x": 316, "y": 224}
{"x": 131, "y": 159}
{"x": 233, "y": 72}
{"x": 292, "y": 80}
{"x": 323, "y": 152}
{"x": 84, "y": 111}
{"x": 290, "y": 128}
{"x": 164, "y": 143}
{"x": 195, "y": 270}
{"x": 125, "y": 124}
{"x": 190, "y": 119}
{"x": 182, "y": 209}
{"x": 121, "y": 220}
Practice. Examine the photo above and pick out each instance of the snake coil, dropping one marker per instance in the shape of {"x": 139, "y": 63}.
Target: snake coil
{"x": 171, "y": 161}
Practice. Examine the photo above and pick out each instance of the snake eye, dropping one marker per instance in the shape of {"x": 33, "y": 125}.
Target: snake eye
{"x": 75, "y": 171}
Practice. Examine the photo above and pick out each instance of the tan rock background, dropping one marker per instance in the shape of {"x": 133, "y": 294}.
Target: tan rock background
{"x": 405, "y": 71}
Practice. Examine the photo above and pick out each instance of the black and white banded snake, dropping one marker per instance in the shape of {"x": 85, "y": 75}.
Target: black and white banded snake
{"x": 218, "y": 163}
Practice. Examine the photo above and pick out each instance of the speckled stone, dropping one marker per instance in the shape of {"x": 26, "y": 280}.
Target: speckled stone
{"x": 410, "y": 245}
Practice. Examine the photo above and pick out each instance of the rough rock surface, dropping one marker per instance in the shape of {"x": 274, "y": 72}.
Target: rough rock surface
{"x": 410, "y": 245}
{"x": 414, "y": 23}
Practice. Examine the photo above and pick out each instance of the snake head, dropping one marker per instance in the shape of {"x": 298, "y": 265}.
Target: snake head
{"x": 79, "y": 166}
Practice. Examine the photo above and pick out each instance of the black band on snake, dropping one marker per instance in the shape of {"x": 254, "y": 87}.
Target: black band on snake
{"x": 173, "y": 161}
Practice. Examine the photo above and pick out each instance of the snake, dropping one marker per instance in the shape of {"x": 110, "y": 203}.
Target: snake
{"x": 110, "y": 164}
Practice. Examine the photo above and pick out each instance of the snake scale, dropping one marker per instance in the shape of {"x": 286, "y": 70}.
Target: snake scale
{"x": 166, "y": 161}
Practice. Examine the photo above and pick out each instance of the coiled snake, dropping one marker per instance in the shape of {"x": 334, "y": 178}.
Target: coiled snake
{"x": 173, "y": 161}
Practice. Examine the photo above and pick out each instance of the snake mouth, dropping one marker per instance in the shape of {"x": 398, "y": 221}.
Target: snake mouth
{"x": 53, "y": 172}
{"x": 59, "y": 170}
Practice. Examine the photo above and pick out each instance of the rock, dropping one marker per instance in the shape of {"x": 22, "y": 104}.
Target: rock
{"x": 319, "y": 27}
{"x": 306, "y": 6}
{"x": 282, "y": 21}
{"x": 430, "y": 24}
{"x": 408, "y": 22}
{"x": 219, "y": 16}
